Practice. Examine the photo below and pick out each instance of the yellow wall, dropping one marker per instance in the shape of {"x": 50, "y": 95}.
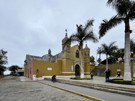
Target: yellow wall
{"x": 69, "y": 60}
{"x": 73, "y": 53}
{"x": 43, "y": 68}
{"x": 64, "y": 65}
{"x": 114, "y": 67}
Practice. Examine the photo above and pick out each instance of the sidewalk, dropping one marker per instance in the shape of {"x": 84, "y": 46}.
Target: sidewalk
{"x": 97, "y": 83}
{"x": 23, "y": 78}
{"x": 100, "y": 84}
{"x": 98, "y": 80}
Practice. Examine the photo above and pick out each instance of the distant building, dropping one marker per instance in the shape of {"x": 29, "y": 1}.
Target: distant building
{"x": 20, "y": 71}
{"x": 65, "y": 63}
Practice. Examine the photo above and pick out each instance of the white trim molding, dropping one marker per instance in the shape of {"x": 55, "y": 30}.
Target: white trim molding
{"x": 75, "y": 60}
{"x": 67, "y": 72}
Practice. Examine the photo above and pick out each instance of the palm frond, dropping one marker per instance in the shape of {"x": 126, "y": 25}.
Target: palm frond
{"x": 111, "y": 44}
{"x": 79, "y": 28}
{"x": 99, "y": 50}
{"x": 106, "y": 25}
{"x": 131, "y": 13}
{"x": 115, "y": 3}
{"x": 2, "y": 68}
{"x": 121, "y": 6}
{"x": 90, "y": 36}
{"x": 112, "y": 48}
{"x": 88, "y": 24}
{"x": 104, "y": 48}
{"x": 83, "y": 33}
{"x": 109, "y": 49}
{"x": 72, "y": 38}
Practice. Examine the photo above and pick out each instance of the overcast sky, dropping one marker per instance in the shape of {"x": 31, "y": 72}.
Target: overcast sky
{"x": 34, "y": 26}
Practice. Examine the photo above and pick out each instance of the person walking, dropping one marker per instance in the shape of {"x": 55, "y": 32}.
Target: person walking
{"x": 91, "y": 74}
{"x": 54, "y": 78}
{"x": 107, "y": 72}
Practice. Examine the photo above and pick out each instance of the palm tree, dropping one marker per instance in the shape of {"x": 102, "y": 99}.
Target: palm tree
{"x": 119, "y": 53}
{"x": 108, "y": 50}
{"x": 125, "y": 12}
{"x": 84, "y": 33}
{"x": 3, "y": 61}
{"x": 92, "y": 59}
{"x": 2, "y": 69}
{"x": 3, "y": 57}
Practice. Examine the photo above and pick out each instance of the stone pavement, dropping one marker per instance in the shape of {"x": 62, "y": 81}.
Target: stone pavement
{"x": 99, "y": 84}
{"x": 23, "y": 78}
{"x": 12, "y": 89}
{"x": 98, "y": 80}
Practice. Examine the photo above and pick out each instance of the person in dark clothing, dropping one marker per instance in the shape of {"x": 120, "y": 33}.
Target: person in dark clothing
{"x": 54, "y": 78}
{"x": 107, "y": 72}
{"x": 91, "y": 74}
{"x": 118, "y": 74}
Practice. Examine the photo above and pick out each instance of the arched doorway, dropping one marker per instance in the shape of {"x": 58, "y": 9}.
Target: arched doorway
{"x": 77, "y": 70}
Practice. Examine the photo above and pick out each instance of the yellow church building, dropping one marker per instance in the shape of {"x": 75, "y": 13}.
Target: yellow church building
{"x": 65, "y": 63}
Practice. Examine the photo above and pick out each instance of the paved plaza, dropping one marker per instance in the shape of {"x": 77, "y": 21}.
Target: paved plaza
{"x": 12, "y": 89}
{"x": 23, "y": 89}
{"x": 96, "y": 88}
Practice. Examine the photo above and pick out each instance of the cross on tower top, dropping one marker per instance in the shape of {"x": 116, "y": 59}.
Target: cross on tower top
{"x": 66, "y": 32}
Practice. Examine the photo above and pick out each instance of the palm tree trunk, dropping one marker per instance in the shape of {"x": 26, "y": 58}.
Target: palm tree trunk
{"x": 127, "y": 68}
{"x": 82, "y": 69}
{"x": 100, "y": 58}
{"x": 106, "y": 62}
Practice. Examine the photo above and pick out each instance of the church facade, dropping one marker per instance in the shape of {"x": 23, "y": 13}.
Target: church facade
{"x": 65, "y": 63}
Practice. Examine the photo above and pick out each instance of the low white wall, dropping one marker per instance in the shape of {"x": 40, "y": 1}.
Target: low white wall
{"x": 38, "y": 78}
{"x": 42, "y": 78}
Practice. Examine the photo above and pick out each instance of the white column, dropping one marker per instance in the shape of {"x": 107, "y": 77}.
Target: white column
{"x": 82, "y": 70}
{"x": 127, "y": 67}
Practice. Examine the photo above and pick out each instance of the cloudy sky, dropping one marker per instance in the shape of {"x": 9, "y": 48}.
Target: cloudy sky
{"x": 34, "y": 26}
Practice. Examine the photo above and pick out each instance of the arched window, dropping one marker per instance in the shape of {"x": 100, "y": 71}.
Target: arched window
{"x": 77, "y": 54}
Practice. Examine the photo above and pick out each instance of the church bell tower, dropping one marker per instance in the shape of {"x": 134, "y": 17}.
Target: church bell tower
{"x": 66, "y": 46}
{"x": 66, "y": 55}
